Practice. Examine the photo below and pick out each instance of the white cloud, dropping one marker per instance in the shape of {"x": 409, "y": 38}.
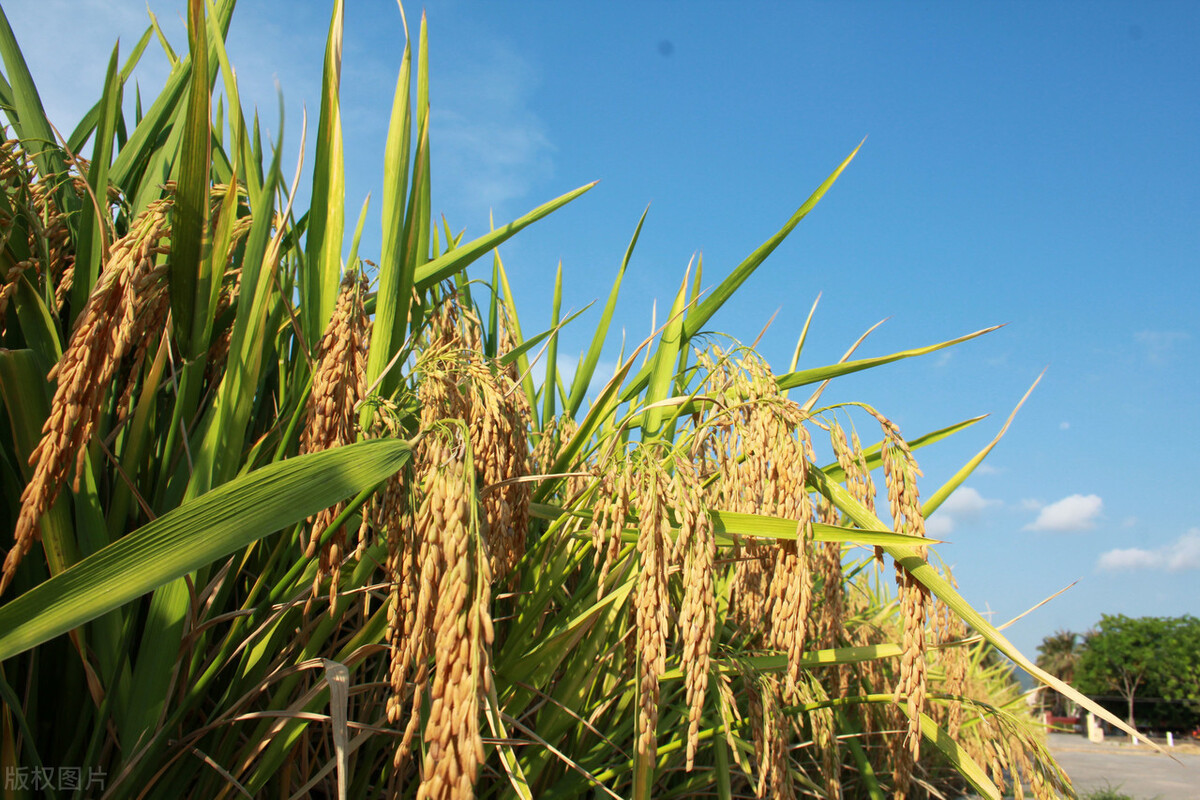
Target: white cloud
{"x": 939, "y": 526}
{"x": 1128, "y": 558}
{"x": 1062, "y": 426}
{"x": 1159, "y": 346}
{"x": 987, "y": 469}
{"x": 1074, "y": 513}
{"x": 1181, "y": 554}
{"x": 1029, "y": 504}
{"x": 965, "y": 503}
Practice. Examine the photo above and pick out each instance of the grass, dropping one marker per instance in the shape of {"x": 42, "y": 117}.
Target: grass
{"x": 1107, "y": 793}
{"x": 288, "y": 522}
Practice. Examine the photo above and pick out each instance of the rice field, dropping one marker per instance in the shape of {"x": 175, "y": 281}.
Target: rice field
{"x": 291, "y": 520}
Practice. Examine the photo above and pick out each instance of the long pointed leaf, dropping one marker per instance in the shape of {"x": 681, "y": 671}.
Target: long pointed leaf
{"x": 463, "y": 256}
{"x": 818, "y": 374}
{"x": 717, "y": 298}
{"x": 587, "y": 368}
{"x": 193, "y": 535}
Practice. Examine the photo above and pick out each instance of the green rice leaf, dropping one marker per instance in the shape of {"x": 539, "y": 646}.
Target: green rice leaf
{"x": 188, "y": 268}
{"x": 463, "y": 256}
{"x": 195, "y": 534}
{"x": 322, "y": 269}
{"x": 962, "y": 761}
{"x": 818, "y": 374}
{"x": 718, "y": 296}
{"x": 587, "y": 368}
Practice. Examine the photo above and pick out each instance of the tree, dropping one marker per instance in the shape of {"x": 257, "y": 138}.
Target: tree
{"x": 1182, "y": 681}
{"x": 1155, "y": 655}
{"x": 1059, "y": 655}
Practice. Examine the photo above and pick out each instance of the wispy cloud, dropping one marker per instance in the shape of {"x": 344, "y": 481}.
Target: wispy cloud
{"x": 490, "y": 147}
{"x": 1159, "y": 346}
{"x": 1074, "y": 513}
{"x": 1181, "y": 554}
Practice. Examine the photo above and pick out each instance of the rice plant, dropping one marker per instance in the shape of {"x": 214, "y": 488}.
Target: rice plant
{"x": 288, "y": 521}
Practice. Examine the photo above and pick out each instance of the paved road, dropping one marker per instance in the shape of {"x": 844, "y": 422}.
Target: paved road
{"x": 1138, "y": 771}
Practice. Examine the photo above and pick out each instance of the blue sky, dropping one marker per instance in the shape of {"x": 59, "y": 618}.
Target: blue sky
{"x": 1030, "y": 164}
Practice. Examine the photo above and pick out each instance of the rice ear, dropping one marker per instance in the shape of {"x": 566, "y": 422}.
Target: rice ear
{"x": 127, "y": 297}
{"x": 339, "y": 384}
{"x": 698, "y": 614}
{"x": 652, "y": 600}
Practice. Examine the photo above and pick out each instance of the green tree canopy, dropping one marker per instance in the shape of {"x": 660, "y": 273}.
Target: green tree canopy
{"x": 1156, "y": 656}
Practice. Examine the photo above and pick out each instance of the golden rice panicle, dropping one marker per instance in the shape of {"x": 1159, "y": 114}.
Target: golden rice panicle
{"x": 824, "y": 734}
{"x": 901, "y": 471}
{"x": 421, "y": 554}
{"x": 462, "y": 636}
{"x": 1014, "y": 752}
{"x": 615, "y": 489}
{"x": 111, "y": 323}
{"x": 763, "y": 454}
{"x": 831, "y": 622}
{"x": 754, "y": 432}
{"x": 652, "y": 600}
{"x": 392, "y": 514}
{"x": 339, "y": 383}
{"x": 548, "y": 441}
{"x": 48, "y": 232}
{"x": 853, "y": 461}
{"x": 792, "y": 582}
{"x": 770, "y": 740}
{"x": 953, "y": 656}
{"x": 499, "y": 419}
{"x": 698, "y": 615}
{"x": 557, "y": 434}
{"x": 439, "y": 496}
{"x": 395, "y": 518}
{"x": 490, "y": 400}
